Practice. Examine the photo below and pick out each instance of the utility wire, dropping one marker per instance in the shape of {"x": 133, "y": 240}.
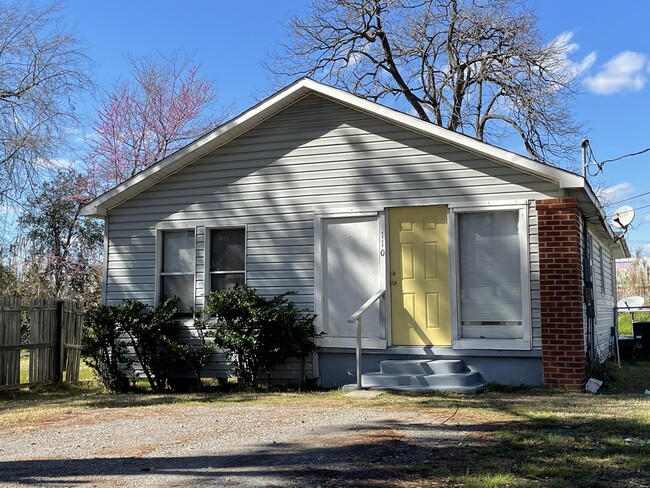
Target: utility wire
{"x": 592, "y": 161}
{"x": 623, "y": 157}
{"x": 639, "y": 208}
{"x": 628, "y": 199}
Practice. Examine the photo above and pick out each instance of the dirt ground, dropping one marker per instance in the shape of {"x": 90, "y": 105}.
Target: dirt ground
{"x": 228, "y": 445}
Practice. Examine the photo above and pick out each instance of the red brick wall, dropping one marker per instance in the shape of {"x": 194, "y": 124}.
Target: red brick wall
{"x": 561, "y": 293}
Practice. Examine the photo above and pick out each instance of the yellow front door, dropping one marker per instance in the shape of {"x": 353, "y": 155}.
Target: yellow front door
{"x": 419, "y": 276}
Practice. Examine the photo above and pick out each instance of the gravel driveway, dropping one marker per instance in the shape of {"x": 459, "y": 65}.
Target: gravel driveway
{"x": 224, "y": 445}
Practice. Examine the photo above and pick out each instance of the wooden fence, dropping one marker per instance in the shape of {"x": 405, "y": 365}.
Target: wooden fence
{"x": 51, "y": 350}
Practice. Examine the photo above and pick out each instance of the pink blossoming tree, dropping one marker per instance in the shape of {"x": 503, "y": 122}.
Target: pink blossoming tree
{"x": 167, "y": 105}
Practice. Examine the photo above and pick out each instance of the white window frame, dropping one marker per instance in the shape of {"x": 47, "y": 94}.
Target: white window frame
{"x": 458, "y": 342}
{"x": 601, "y": 269}
{"x": 612, "y": 271}
{"x": 159, "y": 262}
{"x": 207, "y": 279}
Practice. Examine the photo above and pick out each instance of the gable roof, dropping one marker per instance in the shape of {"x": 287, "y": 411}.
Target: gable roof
{"x": 575, "y": 185}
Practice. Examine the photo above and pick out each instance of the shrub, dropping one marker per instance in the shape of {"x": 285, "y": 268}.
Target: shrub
{"x": 257, "y": 333}
{"x": 194, "y": 356}
{"x": 104, "y": 350}
{"x": 153, "y": 334}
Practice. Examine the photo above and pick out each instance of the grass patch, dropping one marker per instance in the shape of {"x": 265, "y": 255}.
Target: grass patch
{"x": 632, "y": 378}
{"x": 625, "y": 321}
{"x": 492, "y": 480}
{"x": 85, "y": 372}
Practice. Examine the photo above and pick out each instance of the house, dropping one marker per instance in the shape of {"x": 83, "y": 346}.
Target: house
{"x": 483, "y": 255}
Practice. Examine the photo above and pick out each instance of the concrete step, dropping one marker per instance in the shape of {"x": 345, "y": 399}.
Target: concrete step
{"x": 451, "y": 375}
{"x": 445, "y": 366}
{"x": 382, "y": 380}
{"x": 408, "y": 366}
{"x": 447, "y": 389}
{"x": 468, "y": 378}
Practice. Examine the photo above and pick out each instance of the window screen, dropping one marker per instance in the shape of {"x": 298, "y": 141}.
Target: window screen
{"x": 177, "y": 271}
{"x": 227, "y": 258}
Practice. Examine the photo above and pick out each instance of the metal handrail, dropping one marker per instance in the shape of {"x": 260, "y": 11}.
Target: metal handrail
{"x": 356, "y": 317}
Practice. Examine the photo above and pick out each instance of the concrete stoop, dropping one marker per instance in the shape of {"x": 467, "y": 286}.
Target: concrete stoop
{"x": 425, "y": 375}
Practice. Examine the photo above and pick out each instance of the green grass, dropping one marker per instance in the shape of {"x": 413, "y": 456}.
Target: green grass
{"x": 523, "y": 437}
{"x": 625, "y": 321}
{"x": 85, "y": 373}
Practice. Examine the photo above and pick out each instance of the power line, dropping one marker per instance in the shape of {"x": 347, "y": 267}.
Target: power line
{"x": 639, "y": 208}
{"x": 592, "y": 160}
{"x": 647, "y": 149}
{"x": 629, "y": 198}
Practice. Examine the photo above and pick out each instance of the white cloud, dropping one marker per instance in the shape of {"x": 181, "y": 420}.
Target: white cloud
{"x": 615, "y": 192}
{"x": 646, "y": 217}
{"x": 624, "y": 72}
{"x": 55, "y": 163}
{"x": 566, "y": 48}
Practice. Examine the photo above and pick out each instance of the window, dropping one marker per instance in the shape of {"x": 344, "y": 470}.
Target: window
{"x": 227, "y": 258}
{"x": 612, "y": 274}
{"x": 490, "y": 274}
{"x": 177, "y": 267}
{"x": 602, "y": 270}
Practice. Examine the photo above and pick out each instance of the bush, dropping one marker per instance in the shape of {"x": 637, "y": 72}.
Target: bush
{"x": 195, "y": 357}
{"x": 153, "y": 335}
{"x": 104, "y": 350}
{"x": 257, "y": 333}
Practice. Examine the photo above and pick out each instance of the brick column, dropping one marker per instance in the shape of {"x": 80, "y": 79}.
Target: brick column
{"x": 561, "y": 293}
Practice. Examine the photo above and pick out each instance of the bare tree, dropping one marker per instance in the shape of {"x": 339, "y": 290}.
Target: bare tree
{"x": 42, "y": 70}
{"x": 479, "y": 67}
{"x": 166, "y": 105}
{"x": 634, "y": 280}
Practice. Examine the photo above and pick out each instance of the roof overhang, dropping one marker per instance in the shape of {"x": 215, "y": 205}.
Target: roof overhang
{"x": 595, "y": 215}
{"x": 288, "y": 96}
{"x": 575, "y": 185}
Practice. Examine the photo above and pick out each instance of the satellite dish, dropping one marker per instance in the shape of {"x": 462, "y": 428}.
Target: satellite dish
{"x": 632, "y": 304}
{"x": 623, "y": 217}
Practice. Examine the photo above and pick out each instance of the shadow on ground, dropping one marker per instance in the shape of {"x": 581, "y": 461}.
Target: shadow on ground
{"x": 387, "y": 453}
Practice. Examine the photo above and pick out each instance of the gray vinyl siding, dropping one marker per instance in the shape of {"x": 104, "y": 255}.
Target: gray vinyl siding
{"x": 605, "y": 300}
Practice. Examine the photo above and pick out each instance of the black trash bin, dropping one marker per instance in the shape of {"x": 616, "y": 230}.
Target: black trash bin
{"x": 641, "y": 331}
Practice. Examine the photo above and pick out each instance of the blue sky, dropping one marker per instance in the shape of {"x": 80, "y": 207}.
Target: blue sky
{"x": 610, "y": 47}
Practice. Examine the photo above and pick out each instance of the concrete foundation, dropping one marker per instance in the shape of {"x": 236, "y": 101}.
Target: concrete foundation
{"x": 337, "y": 367}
